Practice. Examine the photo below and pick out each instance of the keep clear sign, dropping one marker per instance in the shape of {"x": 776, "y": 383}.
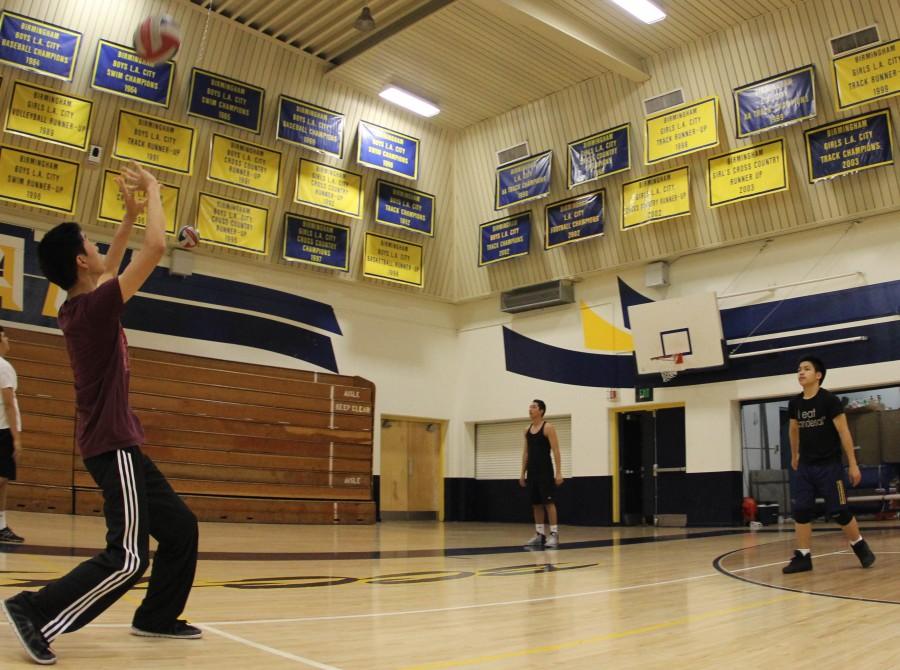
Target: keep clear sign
{"x": 747, "y": 173}
{"x": 233, "y": 224}
{"x": 393, "y": 260}
{"x": 316, "y": 242}
{"x": 662, "y": 196}
{"x": 154, "y": 141}
{"x": 37, "y": 180}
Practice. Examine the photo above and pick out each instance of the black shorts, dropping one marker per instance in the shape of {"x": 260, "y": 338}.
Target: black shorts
{"x": 7, "y": 462}
{"x": 826, "y": 481}
{"x": 542, "y": 490}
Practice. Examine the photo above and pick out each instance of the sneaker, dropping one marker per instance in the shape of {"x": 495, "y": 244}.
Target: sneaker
{"x": 552, "y": 541}
{"x": 537, "y": 541}
{"x": 863, "y": 553}
{"x": 180, "y": 630}
{"x": 799, "y": 563}
{"x": 6, "y": 535}
{"x": 34, "y": 643}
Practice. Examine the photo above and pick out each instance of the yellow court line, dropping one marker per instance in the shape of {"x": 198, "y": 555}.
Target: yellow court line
{"x": 652, "y": 628}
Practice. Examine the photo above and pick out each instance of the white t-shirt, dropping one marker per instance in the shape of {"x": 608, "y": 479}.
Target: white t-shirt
{"x": 8, "y": 379}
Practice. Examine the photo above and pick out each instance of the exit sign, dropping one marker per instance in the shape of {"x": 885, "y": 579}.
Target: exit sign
{"x": 643, "y": 394}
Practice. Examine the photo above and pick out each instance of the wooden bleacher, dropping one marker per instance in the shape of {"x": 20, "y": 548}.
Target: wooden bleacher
{"x": 238, "y": 441}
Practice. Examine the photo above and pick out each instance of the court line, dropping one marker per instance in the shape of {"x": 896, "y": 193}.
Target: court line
{"x": 270, "y": 650}
{"x": 617, "y": 635}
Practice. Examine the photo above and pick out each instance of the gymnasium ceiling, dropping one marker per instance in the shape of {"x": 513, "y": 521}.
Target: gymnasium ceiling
{"x": 481, "y": 58}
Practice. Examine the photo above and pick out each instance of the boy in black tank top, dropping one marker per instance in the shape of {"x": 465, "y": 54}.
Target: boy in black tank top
{"x": 540, "y": 442}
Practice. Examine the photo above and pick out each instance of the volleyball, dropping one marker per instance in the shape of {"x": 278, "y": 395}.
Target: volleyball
{"x": 188, "y": 237}
{"x": 157, "y": 39}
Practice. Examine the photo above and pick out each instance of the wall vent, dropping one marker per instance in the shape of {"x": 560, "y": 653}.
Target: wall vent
{"x": 660, "y": 102}
{"x": 538, "y": 296}
{"x": 858, "y": 39}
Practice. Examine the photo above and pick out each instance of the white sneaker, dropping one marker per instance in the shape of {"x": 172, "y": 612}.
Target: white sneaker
{"x": 552, "y": 541}
{"x": 537, "y": 541}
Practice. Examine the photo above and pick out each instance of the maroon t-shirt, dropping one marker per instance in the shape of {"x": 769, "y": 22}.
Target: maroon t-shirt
{"x": 99, "y": 355}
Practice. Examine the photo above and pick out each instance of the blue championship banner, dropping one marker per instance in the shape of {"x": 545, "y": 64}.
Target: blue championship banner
{"x": 38, "y": 46}
{"x": 309, "y": 126}
{"x": 316, "y": 242}
{"x": 225, "y": 100}
{"x": 404, "y": 207}
{"x": 574, "y": 219}
{"x": 599, "y": 155}
{"x": 505, "y": 238}
{"x": 387, "y": 150}
{"x": 522, "y": 181}
{"x": 119, "y": 70}
{"x": 776, "y": 101}
{"x": 850, "y": 145}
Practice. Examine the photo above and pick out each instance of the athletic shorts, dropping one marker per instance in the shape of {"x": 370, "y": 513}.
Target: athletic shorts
{"x": 827, "y": 480}
{"x": 7, "y": 463}
{"x": 542, "y": 490}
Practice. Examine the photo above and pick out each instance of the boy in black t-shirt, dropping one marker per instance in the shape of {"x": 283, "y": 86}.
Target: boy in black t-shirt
{"x": 818, "y": 432}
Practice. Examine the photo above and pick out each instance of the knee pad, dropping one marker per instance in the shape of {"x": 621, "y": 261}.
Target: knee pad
{"x": 803, "y": 515}
{"x": 843, "y": 517}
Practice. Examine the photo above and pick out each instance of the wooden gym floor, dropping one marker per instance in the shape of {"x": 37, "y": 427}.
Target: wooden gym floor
{"x": 425, "y": 595}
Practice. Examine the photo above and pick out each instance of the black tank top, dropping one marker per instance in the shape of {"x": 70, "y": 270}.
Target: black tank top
{"x": 539, "y": 463}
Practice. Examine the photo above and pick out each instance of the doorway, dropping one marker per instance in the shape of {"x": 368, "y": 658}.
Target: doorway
{"x": 411, "y": 480}
{"x": 652, "y": 472}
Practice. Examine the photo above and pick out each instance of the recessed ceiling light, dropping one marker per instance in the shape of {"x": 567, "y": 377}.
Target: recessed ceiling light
{"x": 409, "y": 101}
{"x": 645, "y": 10}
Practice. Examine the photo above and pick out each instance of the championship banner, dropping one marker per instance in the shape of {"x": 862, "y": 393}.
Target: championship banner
{"x": 867, "y": 75}
{"x": 154, "y": 141}
{"x": 112, "y": 207}
{"x": 387, "y": 150}
{"x": 309, "y": 126}
{"x": 38, "y": 46}
{"x": 393, "y": 260}
{"x": 232, "y": 224}
{"x": 329, "y": 188}
{"x": 45, "y": 114}
{"x": 120, "y": 71}
{"x": 747, "y": 173}
{"x": 599, "y": 155}
{"x": 225, "y": 100}
{"x": 522, "y": 181}
{"x": 666, "y": 195}
{"x": 777, "y": 101}
{"x": 574, "y": 219}
{"x": 316, "y": 242}
{"x": 246, "y": 165}
{"x": 851, "y": 145}
{"x": 682, "y": 130}
{"x": 404, "y": 207}
{"x": 505, "y": 238}
{"x": 38, "y": 180}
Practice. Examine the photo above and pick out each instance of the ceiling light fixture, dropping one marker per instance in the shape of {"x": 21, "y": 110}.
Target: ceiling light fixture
{"x": 410, "y": 101}
{"x": 365, "y": 21}
{"x": 645, "y": 10}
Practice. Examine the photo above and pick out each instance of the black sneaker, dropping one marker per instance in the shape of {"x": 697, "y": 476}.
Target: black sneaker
{"x": 799, "y": 563}
{"x": 34, "y": 643}
{"x": 6, "y": 535}
{"x": 863, "y": 553}
{"x": 180, "y": 630}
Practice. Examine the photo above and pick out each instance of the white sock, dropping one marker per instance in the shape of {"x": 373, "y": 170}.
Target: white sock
{"x": 2, "y": 520}
{"x": 554, "y": 528}
{"x": 859, "y": 539}
{"x": 539, "y": 527}
{"x": 804, "y": 552}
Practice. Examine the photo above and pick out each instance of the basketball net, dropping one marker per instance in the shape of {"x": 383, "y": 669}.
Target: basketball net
{"x": 669, "y": 375}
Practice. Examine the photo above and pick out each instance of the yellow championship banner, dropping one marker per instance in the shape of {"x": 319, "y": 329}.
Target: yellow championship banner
{"x": 393, "y": 260}
{"x": 112, "y": 207}
{"x": 38, "y": 180}
{"x": 233, "y": 224}
{"x": 243, "y": 164}
{"x": 747, "y": 173}
{"x": 682, "y": 130}
{"x": 666, "y": 195}
{"x": 45, "y": 114}
{"x": 867, "y": 75}
{"x": 329, "y": 188}
{"x": 154, "y": 141}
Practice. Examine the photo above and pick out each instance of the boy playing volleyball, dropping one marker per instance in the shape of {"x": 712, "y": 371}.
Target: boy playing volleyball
{"x": 137, "y": 500}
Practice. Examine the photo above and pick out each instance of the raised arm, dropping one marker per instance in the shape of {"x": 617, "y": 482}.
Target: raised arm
{"x": 133, "y": 209}
{"x": 145, "y": 259}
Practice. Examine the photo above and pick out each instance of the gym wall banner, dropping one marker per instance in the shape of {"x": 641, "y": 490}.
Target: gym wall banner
{"x": 329, "y": 188}
{"x": 226, "y": 100}
{"x": 850, "y": 145}
{"x": 112, "y": 207}
{"x": 310, "y": 127}
{"x": 599, "y": 155}
{"x": 747, "y": 173}
{"x": 44, "y": 114}
{"x": 404, "y": 207}
{"x": 665, "y": 195}
{"x": 394, "y": 260}
{"x": 682, "y": 130}
{"x": 244, "y": 164}
{"x": 316, "y": 242}
{"x": 155, "y": 141}
{"x": 387, "y": 150}
{"x": 574, "y": 219}
{"x": 505, "y": 238}
{"x": 38, "y": 46}
{"x": 233, "y": 224}
{"x": 38, "y": 180}
{"x": 775, "y": 101}
{"x": 120, "y": 71}
{"x": 867, "y": 75}
{"x": 523, "y": 180}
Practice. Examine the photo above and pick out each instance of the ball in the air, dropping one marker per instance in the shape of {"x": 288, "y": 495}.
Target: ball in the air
{"x": 157, "y": 39}
{"x": 188, "y": 237}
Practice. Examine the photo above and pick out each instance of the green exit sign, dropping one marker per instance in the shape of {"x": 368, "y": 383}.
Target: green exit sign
{"x": 643, "y": 394}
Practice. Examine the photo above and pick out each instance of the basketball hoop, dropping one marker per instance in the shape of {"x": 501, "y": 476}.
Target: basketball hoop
{"x": 675, "y": 359}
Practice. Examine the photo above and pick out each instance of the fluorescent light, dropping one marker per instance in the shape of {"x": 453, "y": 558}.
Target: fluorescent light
{"x": 411, "y": 102}
{"x": 645, "y": 10}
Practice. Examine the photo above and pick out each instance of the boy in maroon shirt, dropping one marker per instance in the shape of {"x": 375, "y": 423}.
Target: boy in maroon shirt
{"x": 137, "y": 500}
